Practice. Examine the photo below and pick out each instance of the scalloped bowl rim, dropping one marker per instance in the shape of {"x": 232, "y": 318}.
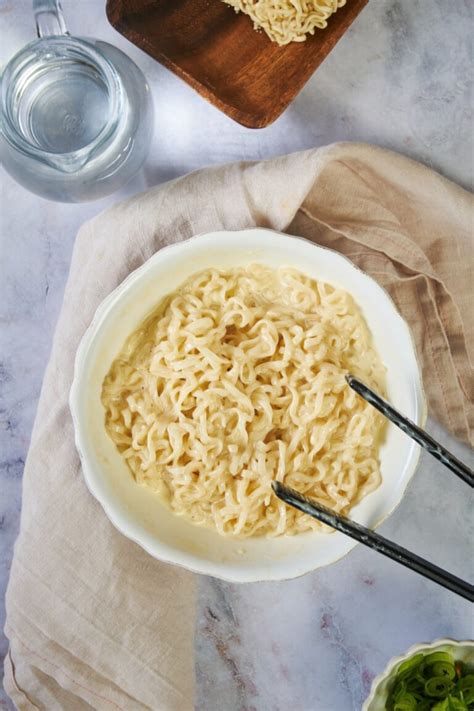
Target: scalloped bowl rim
{"x": 90, "y": 469}
{"x": 393, "y": 664}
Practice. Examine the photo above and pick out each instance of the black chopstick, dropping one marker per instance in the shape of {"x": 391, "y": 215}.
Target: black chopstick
{"x": 412, "y": 430}
{"x": 374, "y": 540}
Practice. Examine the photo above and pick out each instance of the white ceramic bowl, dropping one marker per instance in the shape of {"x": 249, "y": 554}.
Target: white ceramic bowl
{"x": 140, "y": 515}
{"x": 377, "y": 699}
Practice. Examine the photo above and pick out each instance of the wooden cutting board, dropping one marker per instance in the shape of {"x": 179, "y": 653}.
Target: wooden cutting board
{"x": 219, "y": 54}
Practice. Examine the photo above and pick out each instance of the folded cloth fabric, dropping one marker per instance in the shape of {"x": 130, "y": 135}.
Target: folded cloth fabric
{"x": 92, "y": 620}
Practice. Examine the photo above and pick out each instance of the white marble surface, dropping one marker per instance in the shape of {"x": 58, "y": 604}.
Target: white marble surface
{"x": 400, "y": 78}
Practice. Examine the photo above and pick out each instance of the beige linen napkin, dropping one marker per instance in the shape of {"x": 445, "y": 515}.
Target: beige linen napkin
{"x": 94, "y": 622}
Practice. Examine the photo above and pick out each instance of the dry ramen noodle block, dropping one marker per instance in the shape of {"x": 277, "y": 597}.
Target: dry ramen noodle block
{"x": 286, "y": 21}
{"x": 238, "y": 379}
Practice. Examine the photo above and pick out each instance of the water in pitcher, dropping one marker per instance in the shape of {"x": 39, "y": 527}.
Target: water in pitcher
{"x": 75, "y": 113}
{"x": 62, "y": 105}
{"x": 76, "y": 118}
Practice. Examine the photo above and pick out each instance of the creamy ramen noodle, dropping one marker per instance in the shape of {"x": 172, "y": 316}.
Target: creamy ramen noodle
{"x": 238, "y": 379}
{"x": 286, "y": 21}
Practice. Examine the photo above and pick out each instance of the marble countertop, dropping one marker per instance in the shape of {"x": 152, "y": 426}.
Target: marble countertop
{"x": 398, "y": 79}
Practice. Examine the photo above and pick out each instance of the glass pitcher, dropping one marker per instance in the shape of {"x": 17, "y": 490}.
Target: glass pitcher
{"x": 76, "y": 113}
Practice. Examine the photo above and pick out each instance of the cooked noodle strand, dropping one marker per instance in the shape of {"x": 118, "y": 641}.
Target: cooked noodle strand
{"x": 287, "y": 21}
{"x": 237, "y": 379}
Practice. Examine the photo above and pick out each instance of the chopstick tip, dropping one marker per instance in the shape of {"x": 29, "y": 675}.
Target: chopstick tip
{"x": 276, "y": 486}
{"x": 349, "y": 378}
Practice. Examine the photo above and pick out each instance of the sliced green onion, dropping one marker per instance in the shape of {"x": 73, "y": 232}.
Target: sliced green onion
{"x": 440, "y": 706}
{"x": 444, "y": 669}
{"x": 406, "y": 703}
{"x": 468, "y": 696}
{"x": 438, "y": 657}
{"x": 432, "y": 682}
{"x": 455, "y": 704}
{"x": 409, "y": 665}
{"x": 466, "y": 682}
{"x": 415, "y": 684}
{"x": 448, "y": 704}
{"x": 465, "y": 689}
{"x": 438, "y": 687}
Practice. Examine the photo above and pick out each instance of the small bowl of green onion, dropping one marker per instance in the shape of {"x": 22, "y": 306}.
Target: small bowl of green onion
{"x": 429, "y": 677}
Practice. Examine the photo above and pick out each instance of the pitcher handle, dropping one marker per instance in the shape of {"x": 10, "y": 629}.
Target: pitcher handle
{"x": 49, "y": 18}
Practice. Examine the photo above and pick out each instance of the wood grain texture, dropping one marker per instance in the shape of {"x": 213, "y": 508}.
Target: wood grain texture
{"x": 219, "y": 54}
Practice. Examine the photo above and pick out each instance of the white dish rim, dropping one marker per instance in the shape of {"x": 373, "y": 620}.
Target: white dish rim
{"x": 414, "y": 649}
{"x": 87, "y": 470}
